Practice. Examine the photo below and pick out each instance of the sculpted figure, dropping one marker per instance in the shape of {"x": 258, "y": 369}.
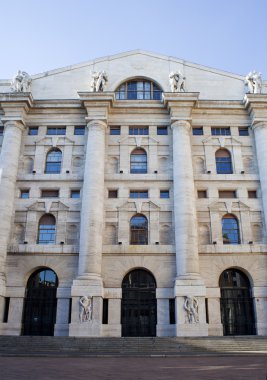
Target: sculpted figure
{"x": 177, "y": 81}
{"x": 21, "y": 82}
{"x": 191, "y": 308}
{"x": 86, "y": 309}
{"x": 254, "y": 82}
{"x": 99, "y": 80}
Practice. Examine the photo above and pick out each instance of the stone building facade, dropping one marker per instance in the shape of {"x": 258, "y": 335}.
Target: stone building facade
{"x": 131, "y": 204}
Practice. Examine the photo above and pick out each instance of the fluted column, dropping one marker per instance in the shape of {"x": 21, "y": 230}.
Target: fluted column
{"x": 186, "y": 232}
{"x": 92, "y": 214}
{"x": 9, "y": 161}
{"x": 260, "y": 133}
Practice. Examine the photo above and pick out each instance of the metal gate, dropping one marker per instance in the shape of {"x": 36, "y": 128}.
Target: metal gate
{"x": 40, "y": 304}
{"x": 236, "y": 304}
{"x": 139, "y": 304}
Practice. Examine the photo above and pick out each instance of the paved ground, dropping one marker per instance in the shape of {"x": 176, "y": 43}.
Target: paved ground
{"x": 176, "y": 368}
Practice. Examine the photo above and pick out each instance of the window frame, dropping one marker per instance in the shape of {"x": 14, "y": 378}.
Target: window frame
{"x": 75, "y": 192}
{"x": 53, "y": 163}
{"x": 33, "y": 129}
{"x": 161, "y": 192}
{"x": 138, "y": 166}
{"x": 222, "y": 131}
{"x": 162, "y": 129}
{"x": 58, "y": 131}
{"x": 49, "y": 190}
{"x": 47, "y": 229}
{"x": 230, "y": 231}
{"x": 138, "y": 89}
{"x": 195, "y": 131}
{"x": 139, "y": 194}
{"x": 138, "y": 234}
{"x": 114, "y": 130}
{"x": 141, "y": 130}
{"x": 79, "y": 128}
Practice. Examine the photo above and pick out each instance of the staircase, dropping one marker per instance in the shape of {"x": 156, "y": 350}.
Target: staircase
{"x": 166, "y": 346}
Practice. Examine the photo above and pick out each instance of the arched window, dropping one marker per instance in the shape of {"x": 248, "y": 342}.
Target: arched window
{"x": 230, "y": 229}
{"x": 139, "y": 89}
{"x": 139, "y": 230}
{"x": 47, "y": 230}
{"x": 138, "y": 161}
{"x": 223, "y": 162}
{"x": 53, "y": 161}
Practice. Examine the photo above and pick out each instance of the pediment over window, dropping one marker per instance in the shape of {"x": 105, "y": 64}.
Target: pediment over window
{"x": 48, "y": 206}
{"x": 139, "y": 141}
{"x": 55, "y": 141}
{"x": 139, "y": 206}
{"x": 229, "y": 206}
{"x": 221, "y": 141}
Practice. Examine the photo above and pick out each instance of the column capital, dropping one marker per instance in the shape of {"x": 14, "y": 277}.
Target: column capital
{"x": 180, "y": 104}
{"x": 181, "y": 124}
{"x": 96, "y": 124}
{"x": 14, "y": 124}
{"x": 15, "y": 106}
{"x": 256, "y": 106}
{"x": 259, "y": 124}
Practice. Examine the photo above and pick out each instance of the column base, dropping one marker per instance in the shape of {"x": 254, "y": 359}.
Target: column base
{"x": 166, "y": 330}
{"x": 91, "y": 286}
{"x": 10, "y": 329}
{"x": 190, "y": 308}
{"x": 197, "y": 329}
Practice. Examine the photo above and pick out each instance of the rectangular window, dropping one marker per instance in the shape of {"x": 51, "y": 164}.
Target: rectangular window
{"x": 202, "y": 193}
{"x": 1, "y": 131}
{"x": 162, "y": 130}
{"x": 79, "y": 131}
{"x": 113, "y": 193}
{"x": 50, "y": 193}
{"x": 243, "y": 131}
{"x": 6, "y": 309}
{"x": 222, "y": 131}
{"x": 115, "y": 131}
{"x": 227, "y": 194}
{"x": 75, "y": 194}
{"x": 252, "y": 193}
{"x": 197, "y": 131}
{"x": 138, "y": 194}
{"x": 56, "y": 131}
{"x": 164, "y": 194}
{"x": 24, "y": 194}
{"x": 105, "y": 311}
{"x": 138, "y": 130}
{"x": 172, "y": 311}
{"x": 33, "y": 131}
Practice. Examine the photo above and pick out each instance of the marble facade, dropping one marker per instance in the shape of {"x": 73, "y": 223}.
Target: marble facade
{"x": 92, "y": 252}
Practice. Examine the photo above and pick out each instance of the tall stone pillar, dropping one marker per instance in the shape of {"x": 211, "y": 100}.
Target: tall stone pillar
{"x": 189, "y": 289}
{"x": 9, "y": 161}
{"x": 89, "y": 281}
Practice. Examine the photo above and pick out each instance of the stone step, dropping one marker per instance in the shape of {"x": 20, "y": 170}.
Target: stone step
{"x": 29, "y": 345}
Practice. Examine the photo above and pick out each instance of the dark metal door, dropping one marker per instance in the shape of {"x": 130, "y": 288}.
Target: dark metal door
{"x": 40, "y": 304}
{"x": 236, "y": 304}
{"x": 139, "y": 304}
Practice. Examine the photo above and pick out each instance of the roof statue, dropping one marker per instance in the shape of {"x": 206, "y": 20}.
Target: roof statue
{"x": 99, "y": 81}
{"x": 177, "y": 81}
{"x": 254, "y": 82}
{"x": 21, "y": 82}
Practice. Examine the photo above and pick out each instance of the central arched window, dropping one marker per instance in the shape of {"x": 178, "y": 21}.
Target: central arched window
{"x": 230, "y": 229}
{"x": 53, "y": 161}
{"x": 139, "y": 89}
{"x": 138, "y": 161}
{"x": 139, "y": 230}
{"x": 47, "y": 230}
{"x": 223, "y": 162}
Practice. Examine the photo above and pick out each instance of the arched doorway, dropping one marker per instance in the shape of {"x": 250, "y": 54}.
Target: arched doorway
{"x": 236, "y": 303}
{"x": 139, "y": 304}
{"x": 40, "y": 303}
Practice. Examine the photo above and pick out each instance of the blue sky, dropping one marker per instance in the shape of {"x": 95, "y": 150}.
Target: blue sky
{"x": 37, "y": 35}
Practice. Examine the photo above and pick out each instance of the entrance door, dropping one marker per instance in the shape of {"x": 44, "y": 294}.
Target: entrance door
{"x": 139, "y": 304}
{"x": 236, "y": 303}
{"x": 40, "y": 303}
